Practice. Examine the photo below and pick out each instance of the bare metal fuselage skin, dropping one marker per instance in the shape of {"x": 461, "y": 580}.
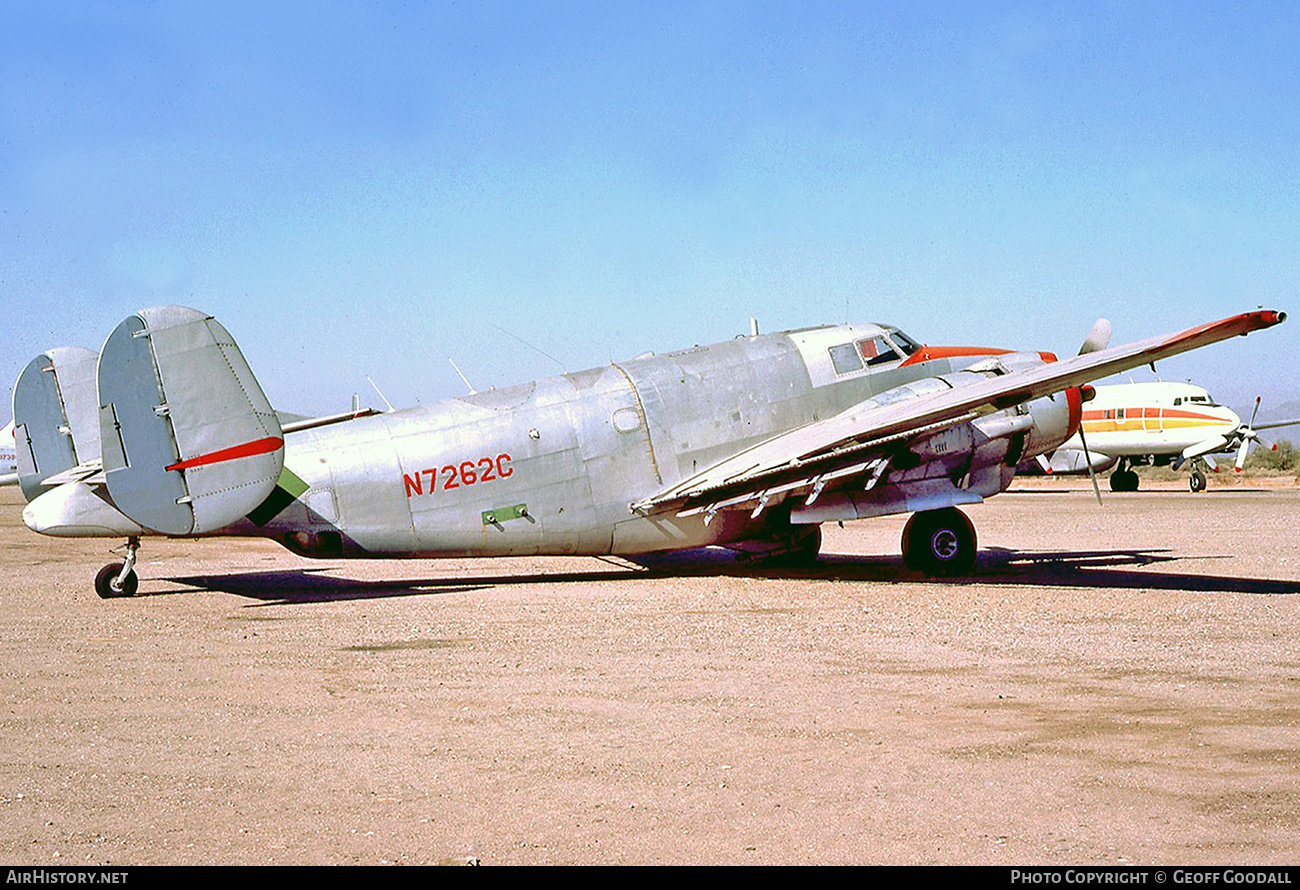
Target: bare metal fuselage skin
{"x": 551, "y": 467}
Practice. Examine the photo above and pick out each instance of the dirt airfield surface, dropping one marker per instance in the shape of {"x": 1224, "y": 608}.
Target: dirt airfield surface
{"x": 1116, "y": 685}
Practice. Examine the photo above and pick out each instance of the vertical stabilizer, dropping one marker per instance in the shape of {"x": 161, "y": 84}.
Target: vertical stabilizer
{"x": 190, "y": 442}
{"x": 56, "y": 426}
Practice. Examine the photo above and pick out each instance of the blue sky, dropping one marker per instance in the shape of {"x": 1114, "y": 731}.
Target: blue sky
{"x": 372, "y": 188}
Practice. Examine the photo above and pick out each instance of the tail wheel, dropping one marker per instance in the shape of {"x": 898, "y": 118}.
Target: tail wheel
{"x": 106, "y": 584}
{"x": 940, "y": 542}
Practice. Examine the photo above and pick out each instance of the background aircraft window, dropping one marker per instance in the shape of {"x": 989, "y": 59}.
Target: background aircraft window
{"x": 845, "y": 359}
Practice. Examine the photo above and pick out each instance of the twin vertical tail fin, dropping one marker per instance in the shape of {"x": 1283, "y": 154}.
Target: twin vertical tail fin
{"x": 190, "y": 442}
{"x": 187, "y": 439}
{"x": 56, "y": 424}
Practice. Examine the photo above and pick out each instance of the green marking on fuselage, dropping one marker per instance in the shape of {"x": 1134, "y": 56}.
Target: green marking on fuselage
{"x": 505, "y": 514}
{"x": 288, "y": 488}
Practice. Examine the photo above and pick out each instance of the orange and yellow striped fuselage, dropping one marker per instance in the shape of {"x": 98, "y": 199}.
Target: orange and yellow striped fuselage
{"x": 1156, "y": 419}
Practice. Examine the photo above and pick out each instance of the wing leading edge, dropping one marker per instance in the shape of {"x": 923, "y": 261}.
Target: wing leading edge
{"x": 852, "y": 442}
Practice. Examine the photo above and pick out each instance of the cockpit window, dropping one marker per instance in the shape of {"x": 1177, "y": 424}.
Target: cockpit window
{"x": 845, "y": 358}
{"x": 904, "y": 342}
{"x": 891, "y": 346}
{"x": 877, "y": 350}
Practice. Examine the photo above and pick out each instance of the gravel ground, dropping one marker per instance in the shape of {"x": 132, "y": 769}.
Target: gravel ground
{"x": 1116, "y": 685}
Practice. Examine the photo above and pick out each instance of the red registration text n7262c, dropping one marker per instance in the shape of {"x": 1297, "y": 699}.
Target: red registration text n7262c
{"x": 461, "y": 475}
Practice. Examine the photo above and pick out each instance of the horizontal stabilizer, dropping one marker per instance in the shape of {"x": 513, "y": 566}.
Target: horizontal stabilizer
{"x": 190, "y": 442}
{"x": 56, "y": 426}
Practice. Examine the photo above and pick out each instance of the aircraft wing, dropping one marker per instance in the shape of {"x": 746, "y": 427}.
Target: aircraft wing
{"x": 855, "y": 440}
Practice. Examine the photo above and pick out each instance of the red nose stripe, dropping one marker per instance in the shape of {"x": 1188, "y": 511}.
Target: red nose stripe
{"x": 248, "y": 449}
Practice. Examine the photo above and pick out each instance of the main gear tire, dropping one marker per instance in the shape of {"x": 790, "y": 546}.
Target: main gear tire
{"x": 940, "y": 542}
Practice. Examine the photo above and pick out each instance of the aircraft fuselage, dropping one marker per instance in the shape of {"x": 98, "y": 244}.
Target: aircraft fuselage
{"x": 1138, "y": 419}
{"x": 552, "y": 466}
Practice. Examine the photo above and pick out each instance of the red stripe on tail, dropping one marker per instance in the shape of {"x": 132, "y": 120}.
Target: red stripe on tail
{"x": 248, "y": 449}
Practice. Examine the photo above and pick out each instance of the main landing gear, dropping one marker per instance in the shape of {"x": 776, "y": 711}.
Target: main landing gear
{"x": 119, "y": 578}
{"x": 939, "y": 542}
{"x": 1124, "y": 478}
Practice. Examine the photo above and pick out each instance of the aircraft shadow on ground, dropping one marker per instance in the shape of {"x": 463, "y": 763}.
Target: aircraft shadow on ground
{"x": 1117, "y": 569}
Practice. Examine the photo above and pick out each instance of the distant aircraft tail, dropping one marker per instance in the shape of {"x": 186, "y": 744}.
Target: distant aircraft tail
{"x": 8, "y": 456}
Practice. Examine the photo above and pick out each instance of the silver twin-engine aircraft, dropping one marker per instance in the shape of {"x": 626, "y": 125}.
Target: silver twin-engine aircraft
{"x": 748, "y": 444}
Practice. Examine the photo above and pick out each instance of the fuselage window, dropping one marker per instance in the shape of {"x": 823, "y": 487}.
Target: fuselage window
{"x": 845, "y": 359}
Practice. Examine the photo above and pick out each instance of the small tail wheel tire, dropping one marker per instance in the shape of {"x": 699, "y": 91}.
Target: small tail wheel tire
{"x": 106, "y": 582}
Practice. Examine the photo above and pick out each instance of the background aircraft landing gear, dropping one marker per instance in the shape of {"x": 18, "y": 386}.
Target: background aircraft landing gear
{"x": 119, "y": 578}
{"x": 939, "y": 542}
{"x": 1196, "y": 481}
{"x": 1124, "y": 478}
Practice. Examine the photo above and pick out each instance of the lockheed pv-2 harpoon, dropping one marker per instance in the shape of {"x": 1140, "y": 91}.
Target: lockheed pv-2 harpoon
{"x": 750, "y": 444}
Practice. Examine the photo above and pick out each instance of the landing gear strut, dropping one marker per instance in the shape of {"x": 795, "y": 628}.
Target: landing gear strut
{"x": 119, "y": 578}
{"x": 939, "y": 542}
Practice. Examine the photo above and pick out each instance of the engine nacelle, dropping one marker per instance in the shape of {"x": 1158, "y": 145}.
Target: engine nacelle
{"x": 983, "y": 453}
{"x": 1056, "y": 419}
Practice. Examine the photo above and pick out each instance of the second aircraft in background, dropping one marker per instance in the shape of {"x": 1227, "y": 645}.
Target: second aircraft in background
{"x": 1158, "y": 423}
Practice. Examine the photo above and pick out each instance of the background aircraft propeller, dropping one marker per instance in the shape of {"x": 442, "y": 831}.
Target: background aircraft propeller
{"x": 1239, "y": 440}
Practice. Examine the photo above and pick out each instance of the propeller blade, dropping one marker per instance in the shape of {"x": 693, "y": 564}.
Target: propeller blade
{"x": 1098, "y": 337}
{"x": 1251, "y": 425}
{"x": 1210, "y": 462}
{"x": 1241, "y": 453}
{"x": 1087, "y": 456}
